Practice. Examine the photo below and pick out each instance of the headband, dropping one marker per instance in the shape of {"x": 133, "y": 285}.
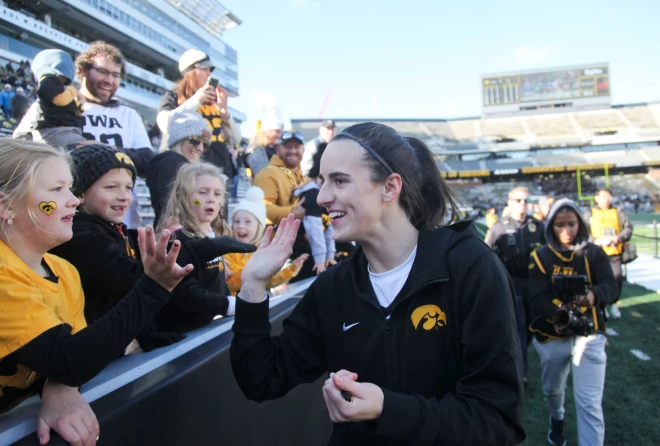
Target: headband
{"x": 367, "y": 148}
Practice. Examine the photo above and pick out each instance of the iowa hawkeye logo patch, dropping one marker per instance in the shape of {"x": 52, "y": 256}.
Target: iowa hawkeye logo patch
{"x": 428, "y": 317}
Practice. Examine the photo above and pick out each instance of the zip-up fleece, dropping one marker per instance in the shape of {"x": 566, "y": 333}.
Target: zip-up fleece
{"x": 445, "y": 352}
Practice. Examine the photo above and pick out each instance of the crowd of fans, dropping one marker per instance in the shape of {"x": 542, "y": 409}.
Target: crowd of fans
{"x": 139, "y": 297}
{"x": 190, "y": 181}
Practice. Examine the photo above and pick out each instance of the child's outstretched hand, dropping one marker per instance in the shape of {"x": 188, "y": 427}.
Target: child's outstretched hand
{"x": 300, "y": 260}
{"x": 159, "y": 264}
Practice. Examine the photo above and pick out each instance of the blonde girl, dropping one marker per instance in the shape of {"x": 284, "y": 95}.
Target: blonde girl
{"x": 41, "y": 322}
{"x": 194, "y": 212}
{"x": 248, "y": 226}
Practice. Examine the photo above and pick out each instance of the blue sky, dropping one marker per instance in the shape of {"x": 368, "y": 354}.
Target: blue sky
{"x": 424, "y": 58}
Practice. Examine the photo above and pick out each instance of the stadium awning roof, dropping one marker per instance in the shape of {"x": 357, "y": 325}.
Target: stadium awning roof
{"x": 209, "y": 14}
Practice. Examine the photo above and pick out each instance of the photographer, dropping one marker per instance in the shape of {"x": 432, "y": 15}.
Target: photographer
{"x": 514, "y": 238}
{"x": 571, "y": 282}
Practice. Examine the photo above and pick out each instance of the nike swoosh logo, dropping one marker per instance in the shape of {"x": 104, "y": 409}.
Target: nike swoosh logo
{"x": 348, "y": 327}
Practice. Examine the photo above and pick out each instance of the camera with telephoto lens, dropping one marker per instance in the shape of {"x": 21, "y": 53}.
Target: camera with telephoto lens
{"x": 568, "y": 289}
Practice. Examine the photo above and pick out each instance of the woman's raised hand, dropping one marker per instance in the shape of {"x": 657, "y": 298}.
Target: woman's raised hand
{"x": 268, "y": 259}
{"x": 205, "y": 95}
{"x": 159, "y": 264}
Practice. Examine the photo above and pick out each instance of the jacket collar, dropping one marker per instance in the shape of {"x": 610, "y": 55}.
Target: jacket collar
{"x": 110, "y": 228}
{"x": 430, "y": 264}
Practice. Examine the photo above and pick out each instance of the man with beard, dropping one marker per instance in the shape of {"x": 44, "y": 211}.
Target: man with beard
{"x": 279, "y": 180}
{"x": 100, "y": 69}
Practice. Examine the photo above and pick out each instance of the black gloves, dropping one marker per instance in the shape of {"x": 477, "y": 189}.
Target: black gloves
{"x": 150, "y": 338}
{"x": 200, "y": 252}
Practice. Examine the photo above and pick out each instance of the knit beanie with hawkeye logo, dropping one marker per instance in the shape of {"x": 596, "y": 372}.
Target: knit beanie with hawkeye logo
{"x": 92, "y": 161}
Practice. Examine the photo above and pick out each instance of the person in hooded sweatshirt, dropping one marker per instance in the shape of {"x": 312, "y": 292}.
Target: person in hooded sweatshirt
{"x": 59, "y": 111}
{"x": 578, "y": 347}
{"x": 418, "y": 327}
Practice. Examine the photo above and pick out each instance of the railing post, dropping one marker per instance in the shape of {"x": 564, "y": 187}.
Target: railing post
{"x": 655, "y": 239}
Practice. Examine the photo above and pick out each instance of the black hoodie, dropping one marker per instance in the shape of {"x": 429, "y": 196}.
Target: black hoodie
{"x": 552, "y": 259}
{"x": 445, "y": 352}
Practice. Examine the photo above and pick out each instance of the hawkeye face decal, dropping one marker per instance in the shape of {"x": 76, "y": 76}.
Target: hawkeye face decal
{"x": 197, "y": 202}
{"x": 428, "y": 317}
{"x": 47, "y": 207}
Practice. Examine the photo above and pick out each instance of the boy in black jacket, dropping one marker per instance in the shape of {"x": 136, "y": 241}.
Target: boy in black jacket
{"x": 100, "y": 249}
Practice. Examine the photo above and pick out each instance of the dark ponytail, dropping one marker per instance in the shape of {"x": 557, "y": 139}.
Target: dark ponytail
{"x": 425, "y": 196}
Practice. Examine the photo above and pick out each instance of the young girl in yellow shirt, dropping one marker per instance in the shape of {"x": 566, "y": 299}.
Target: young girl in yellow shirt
{"x": 44, "y": 340}
{"x": 248, "y": 226}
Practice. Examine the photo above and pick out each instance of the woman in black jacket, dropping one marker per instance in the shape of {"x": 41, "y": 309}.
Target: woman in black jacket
{"x": 571, "y": 282}
{"x": 188, "y": 139}
{"x": 421, "y": 315}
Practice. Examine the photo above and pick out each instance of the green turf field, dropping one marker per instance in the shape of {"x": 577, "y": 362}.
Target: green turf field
{"x": 632, "y": 386}
{"x": 643, "y": 226}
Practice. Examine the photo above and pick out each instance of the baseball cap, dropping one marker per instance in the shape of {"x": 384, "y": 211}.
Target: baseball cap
{"x": 291, "y": 134}
{"x": 328, "y": 124}
{"x": 194, "y": 59}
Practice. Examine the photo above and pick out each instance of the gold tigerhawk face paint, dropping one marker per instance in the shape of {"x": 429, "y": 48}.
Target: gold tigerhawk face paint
{"x": 47, "y": 207}
{"x": 197, "y": 202}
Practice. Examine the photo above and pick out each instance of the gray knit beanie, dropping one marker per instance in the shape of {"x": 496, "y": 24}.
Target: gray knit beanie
{"x": 186, "y": 125}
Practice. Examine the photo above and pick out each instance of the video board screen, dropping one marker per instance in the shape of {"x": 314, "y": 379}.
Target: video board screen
{"x": 553, "y": 85}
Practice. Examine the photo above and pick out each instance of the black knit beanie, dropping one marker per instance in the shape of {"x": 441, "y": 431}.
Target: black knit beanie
{"x": 92, "y": 161}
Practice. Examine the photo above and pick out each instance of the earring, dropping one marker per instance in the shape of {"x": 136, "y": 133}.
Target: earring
{"x": 10, "y": 221}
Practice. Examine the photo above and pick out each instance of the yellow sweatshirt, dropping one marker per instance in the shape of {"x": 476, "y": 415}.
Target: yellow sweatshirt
{"x": 278, "y": 184}
{"x": 236, "y": 262}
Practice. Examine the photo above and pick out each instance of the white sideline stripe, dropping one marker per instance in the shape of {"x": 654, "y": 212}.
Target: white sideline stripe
{"x": 611, "y": 331}
{"x": 640, "y": 355}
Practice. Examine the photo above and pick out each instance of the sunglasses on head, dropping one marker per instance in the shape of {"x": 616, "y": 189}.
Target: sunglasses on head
{"x": 291, "y": 135}
{"x": 197, "y": 141}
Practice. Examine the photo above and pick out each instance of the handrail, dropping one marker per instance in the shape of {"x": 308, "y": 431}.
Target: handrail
{"x": 22, "y": 420}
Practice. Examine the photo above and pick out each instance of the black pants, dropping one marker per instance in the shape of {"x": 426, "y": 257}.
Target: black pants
{"x": 615, "y": 261}
{"x": 522, "y": 316}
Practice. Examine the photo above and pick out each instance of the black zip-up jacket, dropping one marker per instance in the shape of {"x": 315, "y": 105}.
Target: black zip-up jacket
{"x": 447, "y": 357}
{"x": 199, "y": 297}
{"x": 105, "y": 260}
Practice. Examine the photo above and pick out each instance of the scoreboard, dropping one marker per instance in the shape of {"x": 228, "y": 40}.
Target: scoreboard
{"x": 570, "y": 84}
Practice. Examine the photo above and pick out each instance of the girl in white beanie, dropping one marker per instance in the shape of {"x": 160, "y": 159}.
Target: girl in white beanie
{"x": 248, "y": 226}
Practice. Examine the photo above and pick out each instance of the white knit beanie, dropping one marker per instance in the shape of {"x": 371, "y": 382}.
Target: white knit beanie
{"x": 253, "y": 202}
{"x": 272, "y": 120}
{"x": 184, "y": 125}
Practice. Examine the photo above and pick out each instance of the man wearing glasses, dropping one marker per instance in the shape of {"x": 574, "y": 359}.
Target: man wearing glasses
{"x": 514, "y": 238}
{"x": 100, "y": 68}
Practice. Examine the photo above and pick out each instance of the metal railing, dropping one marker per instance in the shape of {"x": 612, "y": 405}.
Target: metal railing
{"x": 654, "y": 238}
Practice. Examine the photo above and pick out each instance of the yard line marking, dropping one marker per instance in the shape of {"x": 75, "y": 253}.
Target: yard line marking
{"x": 640, "y": 355}
{"x": 611, "y": 331}
{"x": 637, "y": 314}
